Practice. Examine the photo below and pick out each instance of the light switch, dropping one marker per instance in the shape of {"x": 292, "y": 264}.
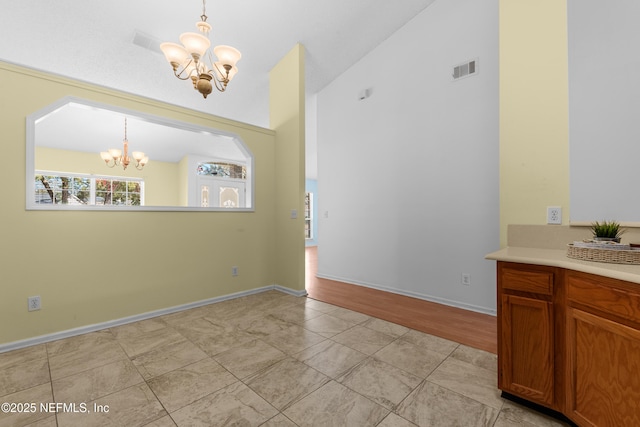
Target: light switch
{"x": 294, "y": 214}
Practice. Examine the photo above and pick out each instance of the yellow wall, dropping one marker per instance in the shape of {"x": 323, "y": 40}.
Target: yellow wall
{"x": 161, "y": 178}
{"x": 183, "y": 181}
{"x": 534, "y": 135}
{"x": 92, "y": 267}
{"x": 286, "y": 83}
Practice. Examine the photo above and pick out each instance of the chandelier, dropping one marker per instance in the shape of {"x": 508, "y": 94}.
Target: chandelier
{"x": 115, "y": 157}
{"x": 188, "y": 61}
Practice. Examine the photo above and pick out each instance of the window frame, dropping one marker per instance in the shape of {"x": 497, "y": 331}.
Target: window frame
{"x": 308, "y": 215}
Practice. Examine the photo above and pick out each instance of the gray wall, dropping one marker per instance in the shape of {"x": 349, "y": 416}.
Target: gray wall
{"x": 604, "y": 109}
{"x": 408, "y": 178}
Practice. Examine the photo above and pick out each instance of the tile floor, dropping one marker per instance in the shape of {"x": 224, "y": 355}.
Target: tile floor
{"x": 267, "y": 359}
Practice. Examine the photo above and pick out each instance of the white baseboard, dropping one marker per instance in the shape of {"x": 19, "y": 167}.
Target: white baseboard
{"x": 302, "y": 293}
{"x": 430, "y": 298}
{"x": 143, "y": 316}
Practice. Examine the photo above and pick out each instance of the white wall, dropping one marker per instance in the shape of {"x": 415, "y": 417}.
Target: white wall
{"x": 408, "y": 178}
{"x": 311, "y": 136}
{"x": 604, "y": 103}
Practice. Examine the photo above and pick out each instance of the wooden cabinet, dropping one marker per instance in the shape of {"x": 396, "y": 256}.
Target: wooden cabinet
{"x": 570, "y": 341}
{"x": 526, "y": 354}
{"x": 603, "y": 369}
{"x": 527, "y": 349}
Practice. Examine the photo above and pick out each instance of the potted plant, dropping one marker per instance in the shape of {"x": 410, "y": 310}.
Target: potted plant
{"x": 606, "y": 231}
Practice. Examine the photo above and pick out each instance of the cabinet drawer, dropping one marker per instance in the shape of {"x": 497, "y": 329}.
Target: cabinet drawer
{"x": 608, "y": 295}
{"x": 518, "y": 279}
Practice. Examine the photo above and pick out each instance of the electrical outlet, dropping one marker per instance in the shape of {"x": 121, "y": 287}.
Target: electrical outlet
{"x": 466, "y": 279}
{"x": 33, "y": 303}
{"x": 554, "y": 215}
{"x": 234, "y": 271}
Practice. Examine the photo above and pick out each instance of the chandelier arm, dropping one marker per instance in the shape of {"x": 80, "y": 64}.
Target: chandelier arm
{"x": 221, "y": 86}
{"x": 179, "y": 74}
{"x": 222, "y": 72}
{"x": 211, "y": 71}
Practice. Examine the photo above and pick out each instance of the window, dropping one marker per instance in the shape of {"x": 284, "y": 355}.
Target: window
{"x": 77, "y": 189}
{"x": 308, "y": 216}
{"x": 223, "y": 170}
{"x": 118, "y": 192}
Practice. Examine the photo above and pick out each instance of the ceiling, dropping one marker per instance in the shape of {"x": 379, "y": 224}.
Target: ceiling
{"x": 92, "y": 41}
{"x": 78, "y": 127}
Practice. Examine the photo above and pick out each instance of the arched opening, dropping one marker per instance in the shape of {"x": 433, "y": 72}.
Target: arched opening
{"x": 65, "y": 169}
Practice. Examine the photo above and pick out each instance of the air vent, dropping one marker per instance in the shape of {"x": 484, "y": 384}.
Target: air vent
{"x": 465, "y": 70}
{"x": 147, "y": 42}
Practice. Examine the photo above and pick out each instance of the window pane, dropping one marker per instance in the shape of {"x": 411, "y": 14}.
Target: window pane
{"x": 81, "y": 189}
{"x": 46, "y": 186}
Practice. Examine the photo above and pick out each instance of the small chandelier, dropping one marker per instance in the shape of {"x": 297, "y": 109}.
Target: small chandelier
{"x": 188, "y": 61}
{"x": 115, "y": 157}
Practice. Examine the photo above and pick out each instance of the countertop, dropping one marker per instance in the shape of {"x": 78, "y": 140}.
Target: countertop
{"x": 558, "y": 258}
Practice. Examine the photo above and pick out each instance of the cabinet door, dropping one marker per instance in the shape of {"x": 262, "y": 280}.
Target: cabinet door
{"x": 603, "y": 372}
{"x": 526, "y": 362}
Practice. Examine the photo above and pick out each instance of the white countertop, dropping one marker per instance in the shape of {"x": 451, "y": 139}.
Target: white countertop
{"x": 558, "y": 258}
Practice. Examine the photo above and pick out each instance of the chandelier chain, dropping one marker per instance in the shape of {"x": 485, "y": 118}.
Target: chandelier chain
{"x": 204, "y": 11}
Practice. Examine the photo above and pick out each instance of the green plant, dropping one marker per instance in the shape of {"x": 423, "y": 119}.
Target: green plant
{"x": 610, "y": 229}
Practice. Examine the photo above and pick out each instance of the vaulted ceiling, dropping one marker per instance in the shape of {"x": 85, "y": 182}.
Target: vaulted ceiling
{"x": 92, "y": 41}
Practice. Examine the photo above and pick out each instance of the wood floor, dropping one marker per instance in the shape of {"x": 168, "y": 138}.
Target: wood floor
{"x": 466, "y": 327}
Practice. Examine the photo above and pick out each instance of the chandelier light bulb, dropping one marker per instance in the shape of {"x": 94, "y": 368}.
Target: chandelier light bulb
{"x": 195, "y": 44}
{"x": 227, "y": 55}
{"x": 174, "y": 53}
